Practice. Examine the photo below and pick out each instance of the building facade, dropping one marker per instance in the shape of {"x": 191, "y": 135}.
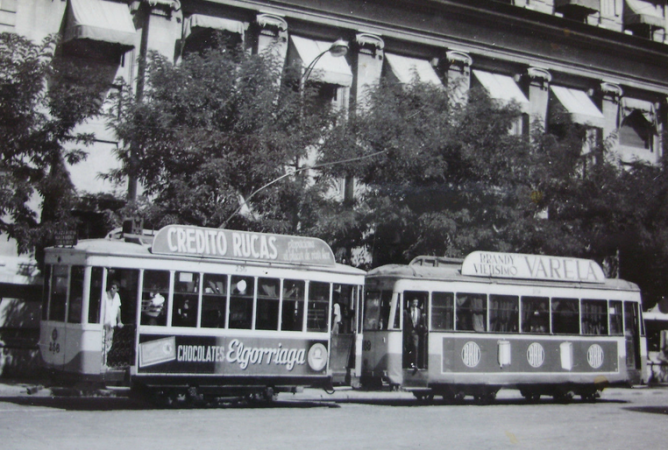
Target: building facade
{"x": 601, "y": 62}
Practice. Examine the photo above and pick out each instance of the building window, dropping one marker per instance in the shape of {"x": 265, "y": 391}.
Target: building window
{"x": 635, "y": 131}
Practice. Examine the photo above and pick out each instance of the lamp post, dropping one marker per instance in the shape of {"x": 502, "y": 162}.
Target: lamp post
{"x": 337, "y": 49}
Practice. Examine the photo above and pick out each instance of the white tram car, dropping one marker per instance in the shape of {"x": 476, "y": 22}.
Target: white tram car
{"x": 544, "y": 325}
{"x": 206, "y": 313}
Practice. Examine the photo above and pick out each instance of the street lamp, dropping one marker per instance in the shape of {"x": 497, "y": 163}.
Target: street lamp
{"x": 337, "y": 49}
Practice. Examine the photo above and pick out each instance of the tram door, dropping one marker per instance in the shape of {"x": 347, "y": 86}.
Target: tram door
{"x": 415, "y": 336}
{"x": 118, "y": 346}
{"x": 632, "y": 337}
{"x": 344, "y": 315}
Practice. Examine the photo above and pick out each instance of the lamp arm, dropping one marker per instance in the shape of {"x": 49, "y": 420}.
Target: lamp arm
{"x": 317, "y": 166}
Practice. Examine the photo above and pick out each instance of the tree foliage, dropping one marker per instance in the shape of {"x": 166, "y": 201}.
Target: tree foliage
{"x": 43, "y": 97}
{"x": 217, "y": 127}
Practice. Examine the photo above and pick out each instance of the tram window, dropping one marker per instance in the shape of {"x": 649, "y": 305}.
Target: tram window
{"x": 565, "y": 316}
{"x": 46, "y": 291}
{"x": 471, "y": 312}
{"x": 95, "y": 294}
{"x": 58, "y": 293}
{"x": 241, "y": 302}
{"x": 372, "y": 311}
{"x": 292, "y": 313}
{"x": 442, "y": 311}
{"x": 128, "y": 281}
{"x": 76, "y": 294}
{"x": 594, "y": 317}
{"x": 266, "y": 316}
{"x": 616, "y": 318}
{"x": 155, "y": 293}
{"x": 186, "y": 299}
{"x": 318, "y": 307}
{"x": 535, "y": 315}
{"x": 344, "y": 296}
{"x": 503, "y": 313}
{"x": 385, "y": 310}
{"x": 214, "y": 301}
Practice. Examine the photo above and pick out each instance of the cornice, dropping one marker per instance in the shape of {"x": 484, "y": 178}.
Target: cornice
{"x": 521, "y": 21}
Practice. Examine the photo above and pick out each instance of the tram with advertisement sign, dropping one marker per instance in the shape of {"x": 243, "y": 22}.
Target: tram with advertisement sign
{"x": 545, "y": 325}
{"x": 204, "y": 314}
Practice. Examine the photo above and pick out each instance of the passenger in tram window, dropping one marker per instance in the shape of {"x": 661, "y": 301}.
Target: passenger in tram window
{"x": 112, "y": 314}
{"x": 155, "y": 306}
{"x": 414, "y": 323}
{"x": 336, "y": 318}
{"x": 478, "y": 314}
{"x": 186, "y": 315}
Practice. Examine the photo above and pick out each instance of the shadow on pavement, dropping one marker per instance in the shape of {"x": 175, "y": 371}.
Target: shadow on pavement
{"x": 129, "y": 404}
{"x": 649, "y": 409}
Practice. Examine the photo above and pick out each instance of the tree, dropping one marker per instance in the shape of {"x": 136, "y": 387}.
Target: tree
{"x": 448, "y": 177}
{"x": 212, "y": 130}
{"x": 43, "y": 97}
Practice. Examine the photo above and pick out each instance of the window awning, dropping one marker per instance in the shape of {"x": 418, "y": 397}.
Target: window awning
{"x": 99, "y": 20}
{"x": 503, "y": 88}
{"x": 329, "y": 69}
{"x": 212, "y": 23}
{"x": 589, "y": 5}
{"x": 647, "y": 109}
{"x": 579, "y": 106}
{"x": 645, "y": 13}
{"x": 406, "y": 69}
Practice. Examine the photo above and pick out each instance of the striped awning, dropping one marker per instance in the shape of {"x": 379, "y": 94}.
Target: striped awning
{"x": 579, "y": 106}
{"x": 328, "y": 69}
{"x": 642, "y": 12}
{"x": 100, "y": 20}
{"x": 212, "y": 23}
{"x": 408, "y": 69}
{"x": 503, "y": 88}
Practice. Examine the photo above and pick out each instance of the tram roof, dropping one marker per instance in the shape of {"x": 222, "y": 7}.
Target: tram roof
{"x": 114, "y": 247}
{"x": 451, "y": 271}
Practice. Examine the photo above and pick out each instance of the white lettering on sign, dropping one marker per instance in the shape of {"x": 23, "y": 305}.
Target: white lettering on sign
{"x": 535, "y": 355}
{"x": 595, "y": 356}
{"x": 540, "y": 267}
{"x": 218, "y": 243}
{"x": 471, "y": 354}
{"x": 237, "y": 353}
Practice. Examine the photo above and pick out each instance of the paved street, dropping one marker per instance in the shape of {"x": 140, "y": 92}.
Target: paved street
{"x": 621, "y": 419}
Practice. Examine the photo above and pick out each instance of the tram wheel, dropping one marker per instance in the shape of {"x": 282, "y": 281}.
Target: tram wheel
{"x": 486, "y": 398}
{"x": 424, "y": 398}
{"x": 589, "y": 397}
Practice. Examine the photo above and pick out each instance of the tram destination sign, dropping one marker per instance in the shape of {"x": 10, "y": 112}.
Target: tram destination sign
{"x": 532, "y": 267}
{"x": 243, "y": 245}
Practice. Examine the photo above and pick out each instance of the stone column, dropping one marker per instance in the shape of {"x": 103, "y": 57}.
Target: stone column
{"x": 539, "y": 83}
{"x": 458, "y": 75}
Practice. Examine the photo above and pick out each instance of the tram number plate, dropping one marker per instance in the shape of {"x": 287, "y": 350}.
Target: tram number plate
{"x": 366, "y": 345}
{"x": 54, "y": 347}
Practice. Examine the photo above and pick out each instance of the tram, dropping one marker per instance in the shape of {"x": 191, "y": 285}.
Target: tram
{"x": 204, "y": 314}
{"x": 544, "y": 325}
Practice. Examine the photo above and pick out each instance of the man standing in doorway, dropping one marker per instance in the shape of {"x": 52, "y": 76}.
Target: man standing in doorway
{"x": 414, "y": 323}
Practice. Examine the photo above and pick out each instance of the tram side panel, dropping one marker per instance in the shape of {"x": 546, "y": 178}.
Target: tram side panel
{"x": 251, "y": 360}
